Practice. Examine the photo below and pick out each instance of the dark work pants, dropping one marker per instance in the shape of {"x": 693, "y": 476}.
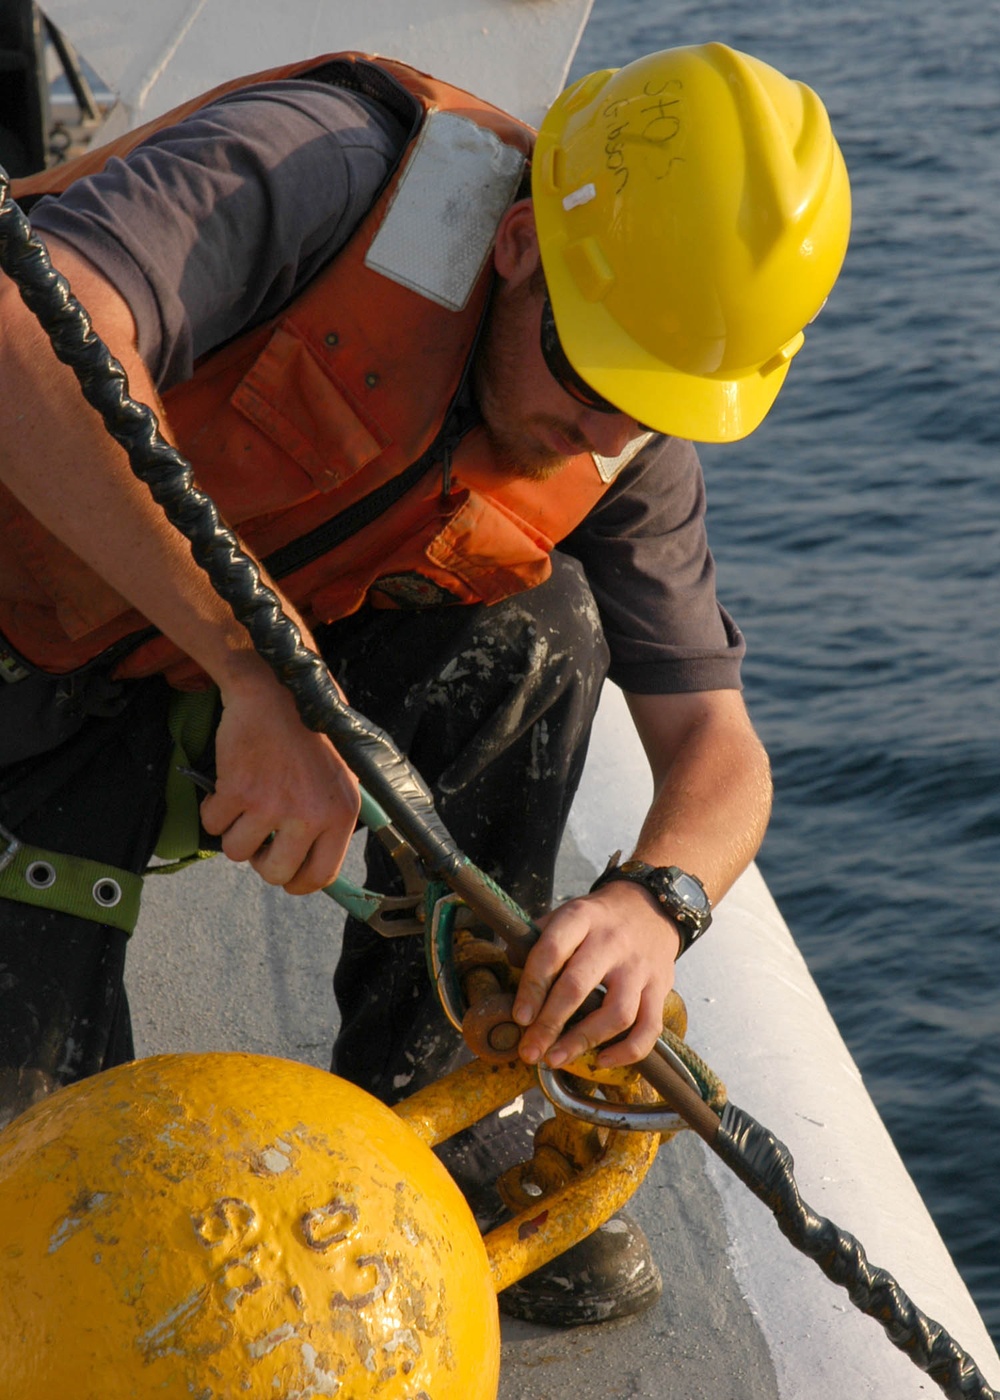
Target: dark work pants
{"x": 98, "y": 794}
{"x": 493, "y": 706}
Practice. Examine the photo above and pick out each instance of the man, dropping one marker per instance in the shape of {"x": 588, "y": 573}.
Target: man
{"x": 405, "y": 380}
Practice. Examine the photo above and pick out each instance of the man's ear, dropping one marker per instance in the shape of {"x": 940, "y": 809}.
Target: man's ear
{"x": 515, "y": 253}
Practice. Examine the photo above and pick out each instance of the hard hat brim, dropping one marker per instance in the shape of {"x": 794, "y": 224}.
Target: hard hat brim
{"x": 666, "y": 399}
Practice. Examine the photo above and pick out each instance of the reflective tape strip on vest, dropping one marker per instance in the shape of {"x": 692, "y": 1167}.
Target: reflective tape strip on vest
{"x": 296, "y": 421}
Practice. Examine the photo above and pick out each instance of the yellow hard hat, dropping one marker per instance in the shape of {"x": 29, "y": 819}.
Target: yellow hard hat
{"x": 234, "y": 1225}
{"x": 693, "y": 212}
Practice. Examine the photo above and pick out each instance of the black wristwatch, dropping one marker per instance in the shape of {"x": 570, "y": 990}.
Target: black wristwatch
{"x": 681, "y": 896}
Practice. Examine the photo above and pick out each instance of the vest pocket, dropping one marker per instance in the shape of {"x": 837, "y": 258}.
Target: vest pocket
{"x": 492, "y": 552}
{"x": 291, "y": 398}
{"x": 425, "y": 552}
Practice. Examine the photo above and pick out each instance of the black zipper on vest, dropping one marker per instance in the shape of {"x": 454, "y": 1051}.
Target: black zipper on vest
{"x": 319, "y": 541}
{"x": 462, "y": 415}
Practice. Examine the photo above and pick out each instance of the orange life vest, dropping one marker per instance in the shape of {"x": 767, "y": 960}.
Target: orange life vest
{"x": 300, "y": 420}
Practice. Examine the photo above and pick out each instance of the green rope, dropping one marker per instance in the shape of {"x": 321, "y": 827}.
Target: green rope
{"x": 710, "y": 1086}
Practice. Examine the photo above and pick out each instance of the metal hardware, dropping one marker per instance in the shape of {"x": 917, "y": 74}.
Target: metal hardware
{"x": 625, "y": 1118}
{"x": 666, "y": 1052}
{"x": 199, "y": 779}
{"x": 442, "y": 965}
{"x": 603, "y": 1114}
{"x": 390, "y": 915}
{"x": 11, "y": 669}
{"x": 107, "y": 892}
{"x": 12, "y": 847}
{"x": 40, "y": 874}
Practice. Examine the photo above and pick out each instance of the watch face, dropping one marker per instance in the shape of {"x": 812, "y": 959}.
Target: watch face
{"x": 690, "y": 892}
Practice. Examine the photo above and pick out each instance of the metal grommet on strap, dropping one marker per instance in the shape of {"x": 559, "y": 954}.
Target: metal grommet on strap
{"x": 67, "y": 884}
{"x": 40, "y": 874}
{"x": 107, "y": 892}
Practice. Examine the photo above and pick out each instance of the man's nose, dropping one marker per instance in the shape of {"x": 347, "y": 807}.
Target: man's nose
{"x": 610, "y": 433}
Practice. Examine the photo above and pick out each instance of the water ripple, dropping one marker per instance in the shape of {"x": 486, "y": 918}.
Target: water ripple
{"x": 858, "y": 541}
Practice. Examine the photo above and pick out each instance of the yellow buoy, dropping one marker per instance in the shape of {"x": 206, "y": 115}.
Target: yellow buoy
{"x": 224, "y": 1225}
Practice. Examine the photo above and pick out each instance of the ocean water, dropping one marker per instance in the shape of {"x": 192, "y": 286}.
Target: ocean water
{"x": 857, "y": 535}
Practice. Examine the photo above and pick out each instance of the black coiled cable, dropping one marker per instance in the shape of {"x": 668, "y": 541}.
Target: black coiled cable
{"x": 765, "y": 1165}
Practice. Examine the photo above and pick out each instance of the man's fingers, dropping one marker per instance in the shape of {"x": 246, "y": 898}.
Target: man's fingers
{"x": 285, "y": 800}
{"x": 617, "y": 940}
{"x": 616, "y": 1013}
{"x": 322, "y": 864}
{"x": 567, "y": 995}
{"x": 646, "y": 1028}
{"x": 281, "y": 855}
{"x": 562, "y": 934}
{"x": 294, "y": 832}
{"x": 291, "y": 858}
{"x": 244, "y": 835}
{"x": 218, "y": 812}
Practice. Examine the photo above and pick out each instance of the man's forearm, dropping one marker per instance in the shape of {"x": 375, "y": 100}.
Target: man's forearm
{"x": 712, "y": 788}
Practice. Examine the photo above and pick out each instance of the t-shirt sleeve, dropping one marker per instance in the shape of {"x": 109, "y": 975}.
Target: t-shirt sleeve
{"x": 645, "y": 552}
{"x": 213, "y": 224}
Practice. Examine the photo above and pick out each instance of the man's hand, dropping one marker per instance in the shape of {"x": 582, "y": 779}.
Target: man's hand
{"x": 284, "y": 798}
{"x": 618, "y": 938}
{"x": 711, "y": 799}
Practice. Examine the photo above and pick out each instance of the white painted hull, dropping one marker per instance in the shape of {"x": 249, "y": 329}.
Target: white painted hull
{"x": 513, "y": 52}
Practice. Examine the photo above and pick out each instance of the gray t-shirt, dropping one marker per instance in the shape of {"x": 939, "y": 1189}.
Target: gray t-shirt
{"x": 213, "y": 225}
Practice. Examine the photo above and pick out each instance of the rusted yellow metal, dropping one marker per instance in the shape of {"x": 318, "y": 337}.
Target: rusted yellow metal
{"x": 563, "y": 1148}
{"x": 584, "y": 1174}
{"x": 558, "y": 1220}
{"x": 218, "y": 1225}
{"x": 463, "y": 1097}
{"x": 675, "y": 1016}
{"x": 228, "y": 1225}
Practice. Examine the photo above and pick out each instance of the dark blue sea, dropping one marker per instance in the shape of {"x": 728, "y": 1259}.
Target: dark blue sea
{"x": 857, "y": 535}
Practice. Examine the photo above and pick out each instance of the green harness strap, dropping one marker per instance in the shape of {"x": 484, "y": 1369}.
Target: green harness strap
{"x": 89, "y": 889}
{"x": 190, "y": 721}
{"x": 93, "y": 889}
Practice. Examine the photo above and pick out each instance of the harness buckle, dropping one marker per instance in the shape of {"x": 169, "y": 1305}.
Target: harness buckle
{"x": 12, "y": 846}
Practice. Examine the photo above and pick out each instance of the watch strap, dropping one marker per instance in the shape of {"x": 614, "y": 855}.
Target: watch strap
{"x": 659, "y": 881}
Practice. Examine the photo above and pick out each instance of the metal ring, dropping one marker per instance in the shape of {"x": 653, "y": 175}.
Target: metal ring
{"x": 11, "y": 847}
{"x": 40, "y": 874}
{"x": 107, "y": 892}
{"x": 443, "y": 972}
{"x": 634, "y": 1118}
